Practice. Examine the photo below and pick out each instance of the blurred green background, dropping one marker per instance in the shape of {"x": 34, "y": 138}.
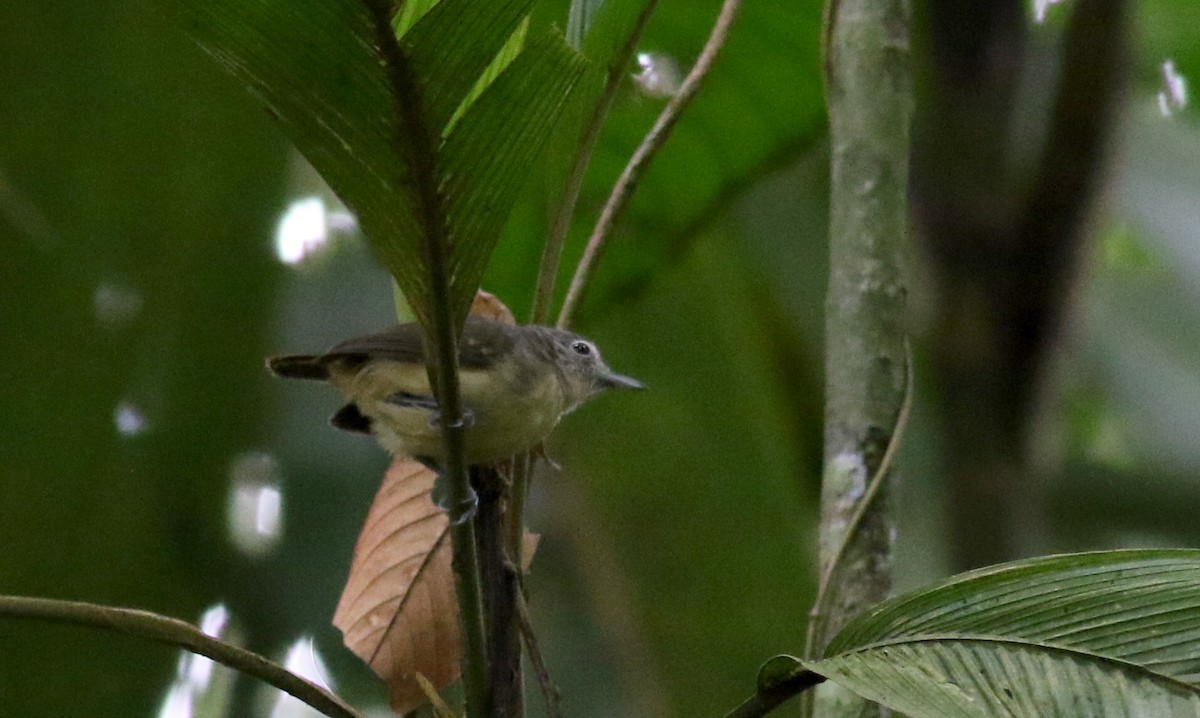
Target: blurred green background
{"x": 150, "y": 219}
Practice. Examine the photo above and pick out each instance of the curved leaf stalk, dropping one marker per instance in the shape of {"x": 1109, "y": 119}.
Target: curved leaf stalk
{"x": 174, "y": 632}
{"x": 768, "y": 697}
{"x": 618, "y": 199}
{"x": 552, "y": 251}
{"x": 370, "y": 112}
{"x": 418, "y": 148}
{"x": 869, "y": 101}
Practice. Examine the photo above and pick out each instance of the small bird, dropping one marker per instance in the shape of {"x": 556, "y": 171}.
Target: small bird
{"x": 516, "y": 383}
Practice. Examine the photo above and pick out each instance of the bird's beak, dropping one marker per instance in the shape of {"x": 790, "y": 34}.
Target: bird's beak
{"x": 618, "y": 381}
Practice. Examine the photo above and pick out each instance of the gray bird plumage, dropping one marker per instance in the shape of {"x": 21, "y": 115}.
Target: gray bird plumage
{"x": 516, "y": 383}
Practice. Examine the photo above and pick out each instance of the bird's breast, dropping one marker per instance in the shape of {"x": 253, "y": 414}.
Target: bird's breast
{"x": 507, "y": 411}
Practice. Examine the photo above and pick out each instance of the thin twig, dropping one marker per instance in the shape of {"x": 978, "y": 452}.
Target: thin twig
{"x": 436, "y": 705}
{"x": 816, "y": 615}
{"x": 552, "y": 251}
{"x": 646, "y": 151}
{"x": 416, "y": 143}
{"x": 174, "y": 632}
{"x": 520, "y": 470}
{"x": 550, "y": 691}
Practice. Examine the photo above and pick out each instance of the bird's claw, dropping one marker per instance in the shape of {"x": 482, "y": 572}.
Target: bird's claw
{"x": 465, "y": 421}
{"x": 459, "y": 514}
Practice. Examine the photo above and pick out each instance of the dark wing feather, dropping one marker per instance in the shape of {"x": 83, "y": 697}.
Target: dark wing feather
{"x": 484, "y": 341}
{"x": 349, "y": 418}
{"x": 400, "y": 343}
{"x": 298, "y": 366}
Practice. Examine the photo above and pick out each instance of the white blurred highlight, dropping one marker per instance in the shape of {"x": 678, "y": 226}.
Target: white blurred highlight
{"x": 129, "y": 418}
{"x": 303, "y": 660}
{"x": 1173, "y": 97}
{"x": 659, "y": 75}
{"x": 113, "y": 303}
{"x": 189, "y": 694}
{"x": 306, "y": 226}
{"x": 178, "y": 702}
{"x": 1041, "y": 8}
{"x": 200, "y": 668}
{"x": 255, "y": 509}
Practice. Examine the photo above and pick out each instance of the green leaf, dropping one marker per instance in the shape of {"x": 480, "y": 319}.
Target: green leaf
{"x": 453, "y": 44}
{"x": 361, "y": 109}
{"x": 1098, "y": 634}
{"x": 986, "y": 678}
{"x": 493, "y": 148}
{"x": 409, "y": 12}
{"x": 745, "y": 125}
{"x": 509, "y": 52}
{"x": 312, "y": 63}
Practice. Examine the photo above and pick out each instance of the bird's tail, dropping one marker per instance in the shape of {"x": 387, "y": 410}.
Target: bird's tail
{"x": 298, "y": 366}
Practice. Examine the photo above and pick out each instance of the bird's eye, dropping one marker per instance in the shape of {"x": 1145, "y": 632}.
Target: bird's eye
{"x": 581, "y": 348}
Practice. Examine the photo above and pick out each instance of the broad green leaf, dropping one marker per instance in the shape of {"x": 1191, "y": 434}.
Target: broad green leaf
{"x": 760, "y": 109}
{"x": 359, "y": 109}
{"x": 741, "y": 121}
{"x": 493, "y": 147}
{"x": 453, "y": 44}
{"x": 990, "y": 678}
{"x": 1098, "y": 634}
{"x": 509, "y": 52}
{"x": 1138, "y": 606}
{"x": 409, "y": 12}
{"x": 312, "y": 63}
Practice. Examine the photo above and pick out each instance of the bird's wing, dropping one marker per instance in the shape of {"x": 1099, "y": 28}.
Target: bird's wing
{"x": 298, "y": 366}
{"x": 400, "y": 343}
{"x": 484, "y": 342}
{"x": 349, "y": 418}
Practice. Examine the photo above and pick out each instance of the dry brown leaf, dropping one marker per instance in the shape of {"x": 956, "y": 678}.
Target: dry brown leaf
{"x": 489, "y": 305}
{"x": 398, "y": 612}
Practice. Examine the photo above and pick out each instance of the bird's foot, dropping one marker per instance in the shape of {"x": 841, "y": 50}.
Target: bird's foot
{"x": 465, "y": 421}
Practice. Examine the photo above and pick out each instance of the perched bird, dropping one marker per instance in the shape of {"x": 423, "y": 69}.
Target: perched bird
{"x": 516, "y": 383}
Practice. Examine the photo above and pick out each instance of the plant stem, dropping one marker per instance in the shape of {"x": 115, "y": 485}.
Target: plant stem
{"x": 552, "y": 251}
{"x": 501, "y": 593}
{"x": 520, "y": 472}
{"x": 618, "y": 199}
{"x": 173, "y": 632}
{"x": 417, "y": 145}
{"x": 868, "y": 93}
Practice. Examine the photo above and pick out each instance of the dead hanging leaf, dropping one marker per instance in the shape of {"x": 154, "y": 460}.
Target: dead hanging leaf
{"x": 489, "y": 305}
{"x": 398, "y": 612}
